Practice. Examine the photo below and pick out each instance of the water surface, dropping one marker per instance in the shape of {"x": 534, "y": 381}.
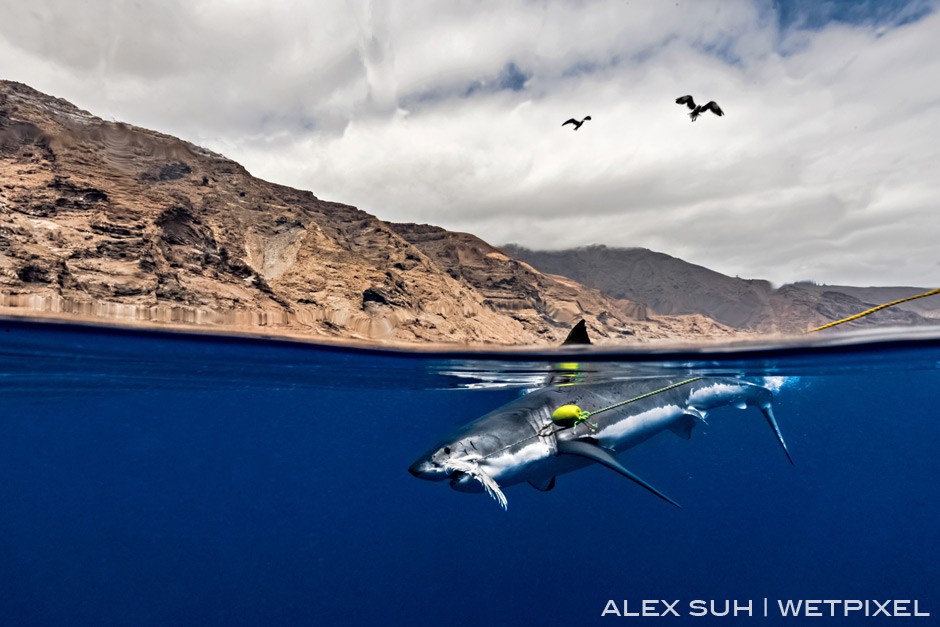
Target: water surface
{"x": 162, "y": 478}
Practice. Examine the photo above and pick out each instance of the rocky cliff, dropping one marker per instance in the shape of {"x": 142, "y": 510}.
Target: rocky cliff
{"x": 539, "y": 301}
{"x": 108, "y": 221}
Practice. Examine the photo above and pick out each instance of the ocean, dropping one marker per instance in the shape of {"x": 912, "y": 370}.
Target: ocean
{"x": 158, "y": 478}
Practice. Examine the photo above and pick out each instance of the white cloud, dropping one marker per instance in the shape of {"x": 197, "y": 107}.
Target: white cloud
{"x": 823, "y": 167}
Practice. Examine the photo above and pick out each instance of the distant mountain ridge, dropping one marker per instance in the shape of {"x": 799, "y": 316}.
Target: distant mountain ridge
{"x": 668, "y": 285}
{"x": 514, "y": 287}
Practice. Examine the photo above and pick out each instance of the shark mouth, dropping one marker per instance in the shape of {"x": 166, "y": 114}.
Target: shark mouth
{"x": 472, "y": 469}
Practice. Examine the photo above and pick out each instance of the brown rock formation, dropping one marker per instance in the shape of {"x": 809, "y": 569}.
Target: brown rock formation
{"x": 542, "y": 301}
{"x": 107, "y": 220}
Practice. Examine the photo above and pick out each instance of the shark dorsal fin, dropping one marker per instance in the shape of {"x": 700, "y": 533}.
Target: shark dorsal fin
{"x": 604, "y": 457}
{"x": 578, "y": 334}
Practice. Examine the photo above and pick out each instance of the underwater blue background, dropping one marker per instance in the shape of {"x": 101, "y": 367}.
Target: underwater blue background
{"x": 156, "y": 479}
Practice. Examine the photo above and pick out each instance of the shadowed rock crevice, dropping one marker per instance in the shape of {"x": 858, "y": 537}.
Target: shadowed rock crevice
{"x": 185, "y": 239}
{"x": 168, "y": 172}
{"x": 17, "y": 137}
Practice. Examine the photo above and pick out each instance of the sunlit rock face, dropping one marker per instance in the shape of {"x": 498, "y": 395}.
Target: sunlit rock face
{"x": 104, "y": 220}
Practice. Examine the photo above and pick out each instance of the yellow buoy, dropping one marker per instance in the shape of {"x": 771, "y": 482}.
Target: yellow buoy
{"x": 568, "y": 415}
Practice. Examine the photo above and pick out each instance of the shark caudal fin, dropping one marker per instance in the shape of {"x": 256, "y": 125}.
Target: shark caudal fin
{"x": 768, "y": 411}
{"x": 605, "y": 458}
{"x": 578, "y": 334}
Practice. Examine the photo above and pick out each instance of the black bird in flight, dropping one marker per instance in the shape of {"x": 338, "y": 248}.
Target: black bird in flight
{"x": 698, "y": 110}
{"x": 577, "y": 124}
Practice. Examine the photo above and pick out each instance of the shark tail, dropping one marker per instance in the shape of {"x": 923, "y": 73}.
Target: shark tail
{"x": 768, "y": 412}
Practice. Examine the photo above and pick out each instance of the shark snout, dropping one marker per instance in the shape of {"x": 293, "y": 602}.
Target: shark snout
{"x": 425, "y": 469}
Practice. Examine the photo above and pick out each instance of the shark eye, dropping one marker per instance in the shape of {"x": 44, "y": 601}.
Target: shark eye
{"x": 446, "y": 450}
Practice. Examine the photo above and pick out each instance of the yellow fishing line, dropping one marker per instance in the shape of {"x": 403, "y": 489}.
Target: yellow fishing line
{"x": 874, "y": 309}
{"x": 570, "y": 416}
{"x": 588, "y": 414}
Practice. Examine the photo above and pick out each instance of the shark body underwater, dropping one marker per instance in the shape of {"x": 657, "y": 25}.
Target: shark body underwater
{"x": 559, "y": 429}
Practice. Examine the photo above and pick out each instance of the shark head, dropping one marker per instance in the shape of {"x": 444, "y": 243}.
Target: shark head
{"x": 484, "y": 455}
{"x": 459, "y": 459}
{"x": 494, "y": 447}
{"x": 438, "y": 464}
{"x": 465, "y": 471}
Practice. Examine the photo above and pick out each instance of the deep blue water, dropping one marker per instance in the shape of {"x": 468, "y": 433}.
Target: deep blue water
{"x": 160, "y": 479}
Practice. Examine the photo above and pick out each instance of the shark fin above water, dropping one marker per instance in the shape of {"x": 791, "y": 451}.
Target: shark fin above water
{"x": 544, "y": 485}
{"x": 604, "y": 457}
{"x": 578, "y": 334}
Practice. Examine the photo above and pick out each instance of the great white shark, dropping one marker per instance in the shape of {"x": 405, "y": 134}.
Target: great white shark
{"x": 520, "y": 442}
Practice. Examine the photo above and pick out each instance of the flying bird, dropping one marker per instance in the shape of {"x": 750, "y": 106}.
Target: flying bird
{"x": 577, "y": 124}
{"x": 698, "y": 110}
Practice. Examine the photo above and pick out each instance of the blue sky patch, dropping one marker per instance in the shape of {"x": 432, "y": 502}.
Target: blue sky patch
{"x": 816, "y": 14}
{"x": 512, "y": 78}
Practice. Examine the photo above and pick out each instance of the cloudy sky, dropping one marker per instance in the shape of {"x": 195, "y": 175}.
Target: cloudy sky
{"x": 825, "y": 166}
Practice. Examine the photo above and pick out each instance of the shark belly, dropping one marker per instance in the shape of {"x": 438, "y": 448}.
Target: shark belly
{"x": 520, "y": 463}
{"x": 625, "y": 432}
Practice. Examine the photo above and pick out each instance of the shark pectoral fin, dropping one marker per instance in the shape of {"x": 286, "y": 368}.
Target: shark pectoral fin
{"x": 768, "y": 412}
{"x": 605, "y": 458}
{"x": 543, "y": 485}
{"x": 683, "y": 426}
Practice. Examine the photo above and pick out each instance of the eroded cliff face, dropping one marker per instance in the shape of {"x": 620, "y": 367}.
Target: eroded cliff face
{"x": 105, "y": 220}
{"x": 540, "y": 301}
